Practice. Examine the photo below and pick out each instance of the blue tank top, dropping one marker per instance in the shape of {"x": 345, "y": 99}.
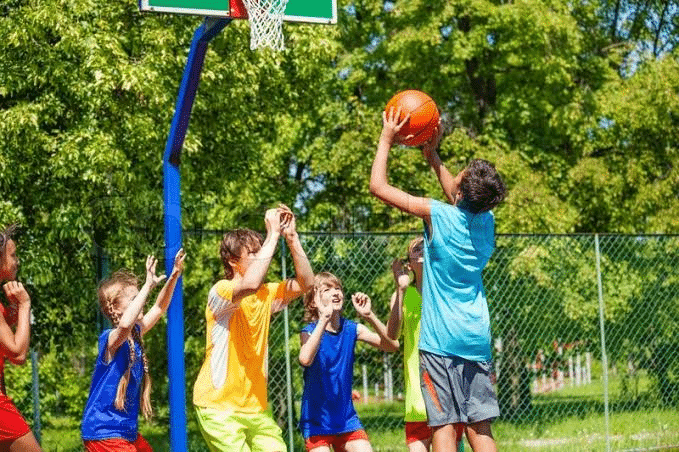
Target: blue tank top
{"x": 101, "y": 420}
{"x": 327, "y": 407}
{"x": 458, "y": 247}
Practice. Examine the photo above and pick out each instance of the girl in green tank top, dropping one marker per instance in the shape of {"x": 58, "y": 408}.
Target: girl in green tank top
{"x": 405, "y": 314}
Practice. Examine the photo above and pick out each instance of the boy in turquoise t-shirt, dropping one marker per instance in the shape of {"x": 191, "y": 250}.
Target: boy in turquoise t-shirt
{"x": 455, "y": 327}
{"x": 406, "y": 305}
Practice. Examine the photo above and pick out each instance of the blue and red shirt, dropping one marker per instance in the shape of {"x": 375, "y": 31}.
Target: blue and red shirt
{"x": 327, "y": 407}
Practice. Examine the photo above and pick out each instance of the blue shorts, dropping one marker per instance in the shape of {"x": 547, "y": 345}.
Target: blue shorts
{"x": 456, "y": 390}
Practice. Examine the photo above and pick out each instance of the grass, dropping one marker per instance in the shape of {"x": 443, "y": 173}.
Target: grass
{"x": 571, "y": 419}
{"x": 634, "y": 431}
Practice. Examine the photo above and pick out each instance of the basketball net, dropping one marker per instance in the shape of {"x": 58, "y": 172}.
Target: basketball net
{"x": 266, "y": 23}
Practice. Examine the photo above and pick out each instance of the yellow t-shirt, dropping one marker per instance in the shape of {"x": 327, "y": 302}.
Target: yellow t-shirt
{"x": 234, "y": 374}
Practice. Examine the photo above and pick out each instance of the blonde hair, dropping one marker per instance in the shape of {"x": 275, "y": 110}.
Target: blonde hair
{"x": 323, "y": 279}
{"x": 411, "y": 246}
{"x": 109, "y": 297}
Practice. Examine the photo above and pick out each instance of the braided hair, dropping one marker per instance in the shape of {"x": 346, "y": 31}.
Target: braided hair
{"x": 109, "y": 292}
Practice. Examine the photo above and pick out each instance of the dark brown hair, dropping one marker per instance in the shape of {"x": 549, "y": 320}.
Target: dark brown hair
{"x": 233, "y": 244}
{"x": 322, "y": 279}
{"x": 6, "y": 235}
{"x": 481, "y": 186}
{"x": 109, "y": 296}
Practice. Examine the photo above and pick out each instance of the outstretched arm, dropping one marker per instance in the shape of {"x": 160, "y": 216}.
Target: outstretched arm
{"x": 379, "y": 184}
{"x": 165, "y": 295}
{"x": 256, "y": 272}
{"x": 449, "y": 183}
{"x": 380, "y": 338}
{"x": 402, "y": 280}
{"x": 15, "y": 344}
{"x": 129, "y": 317}
{"x": 304, "y": 275}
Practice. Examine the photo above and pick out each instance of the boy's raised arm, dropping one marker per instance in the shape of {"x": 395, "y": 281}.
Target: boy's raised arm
{"x": 379, "y": 184}
{"x": 449, "y": 183}
{"x": 304, "y": 275}
{"x": 256, "y": 272}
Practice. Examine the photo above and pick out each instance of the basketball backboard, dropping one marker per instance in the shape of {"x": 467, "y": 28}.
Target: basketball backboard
{"x": 311, "y": 11}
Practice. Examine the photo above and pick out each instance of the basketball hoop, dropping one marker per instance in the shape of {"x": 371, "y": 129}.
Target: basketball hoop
{"x": 266, "y": 23}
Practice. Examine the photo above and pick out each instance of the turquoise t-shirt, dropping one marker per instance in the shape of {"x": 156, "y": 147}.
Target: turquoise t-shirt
{"x": 455, "y": 319}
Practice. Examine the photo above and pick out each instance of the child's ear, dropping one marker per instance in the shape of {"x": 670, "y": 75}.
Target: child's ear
{"x": 233, "y": 262}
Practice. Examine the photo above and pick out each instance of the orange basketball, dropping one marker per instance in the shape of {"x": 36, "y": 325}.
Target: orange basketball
{"x": 424, "y": 115}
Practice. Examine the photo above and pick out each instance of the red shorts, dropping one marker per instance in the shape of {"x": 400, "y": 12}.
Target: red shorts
{"x": 420, "y": 431}
{"x": 12, "y": 423}
{"x": 417, "y": 431}
{"x": 118, "y": 445}
{"x": 336, "y": 441}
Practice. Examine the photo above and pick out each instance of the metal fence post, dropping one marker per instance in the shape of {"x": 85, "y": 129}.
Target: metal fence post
{"x": 288, "y": 368}
{"x": 604, "y": 358}
{"x": 36, "y": 395}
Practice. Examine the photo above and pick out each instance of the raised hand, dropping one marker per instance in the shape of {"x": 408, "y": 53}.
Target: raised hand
{"x": 178, "y": 267}
{"x": 391, "y": 126}
{"x": 16, "y": 293}
{"x": 433, "y": 144}
{"x": 151, "y": 277}
{"x": 288, "y": 225}
{"x": 272, "y": 220}
{"x": 325, "y": 310}
{"x": 362, "y": 304}
{"x": 400, "y": 271}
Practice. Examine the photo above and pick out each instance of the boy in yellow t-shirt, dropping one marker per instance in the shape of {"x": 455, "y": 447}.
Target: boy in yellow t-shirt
{"x": 230, "y": 393}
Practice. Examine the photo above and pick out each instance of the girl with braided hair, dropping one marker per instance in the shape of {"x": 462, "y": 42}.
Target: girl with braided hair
{"x": 121, "y": 383}
{"x": 15, "y": 334}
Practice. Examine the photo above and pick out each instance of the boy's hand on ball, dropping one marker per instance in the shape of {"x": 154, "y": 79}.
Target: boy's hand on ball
{"x": 433, "y": 143}
{"x": 391, "y": 125}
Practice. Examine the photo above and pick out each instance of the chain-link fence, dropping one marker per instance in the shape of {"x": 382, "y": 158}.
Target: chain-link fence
{"x": 585, "y": 330}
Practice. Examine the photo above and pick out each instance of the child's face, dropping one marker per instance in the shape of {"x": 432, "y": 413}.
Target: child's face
{"x": 330, "y": 295}
{"x": 246, "y": 259}
{"x": 416, "y": 258}
{"x": 125, "y": 297}
{"x": 9, "y": 263}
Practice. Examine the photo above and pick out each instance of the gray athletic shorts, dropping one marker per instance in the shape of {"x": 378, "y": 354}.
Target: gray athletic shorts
{"x": 456, "y": 390}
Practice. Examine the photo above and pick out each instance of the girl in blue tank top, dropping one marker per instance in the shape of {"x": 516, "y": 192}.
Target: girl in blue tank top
{"x": 121, "y": 384}
{"x": 328, "y": 416}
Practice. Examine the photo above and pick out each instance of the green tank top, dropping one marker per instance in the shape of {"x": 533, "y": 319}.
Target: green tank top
{"x": 414, "y": 409}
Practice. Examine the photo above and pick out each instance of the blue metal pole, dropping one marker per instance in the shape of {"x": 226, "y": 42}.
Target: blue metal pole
{"x": 173, "y": 224}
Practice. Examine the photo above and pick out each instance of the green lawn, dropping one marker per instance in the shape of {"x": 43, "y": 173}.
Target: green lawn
{"x": 630, "y": 431}
{"x": 570, "y": 419}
